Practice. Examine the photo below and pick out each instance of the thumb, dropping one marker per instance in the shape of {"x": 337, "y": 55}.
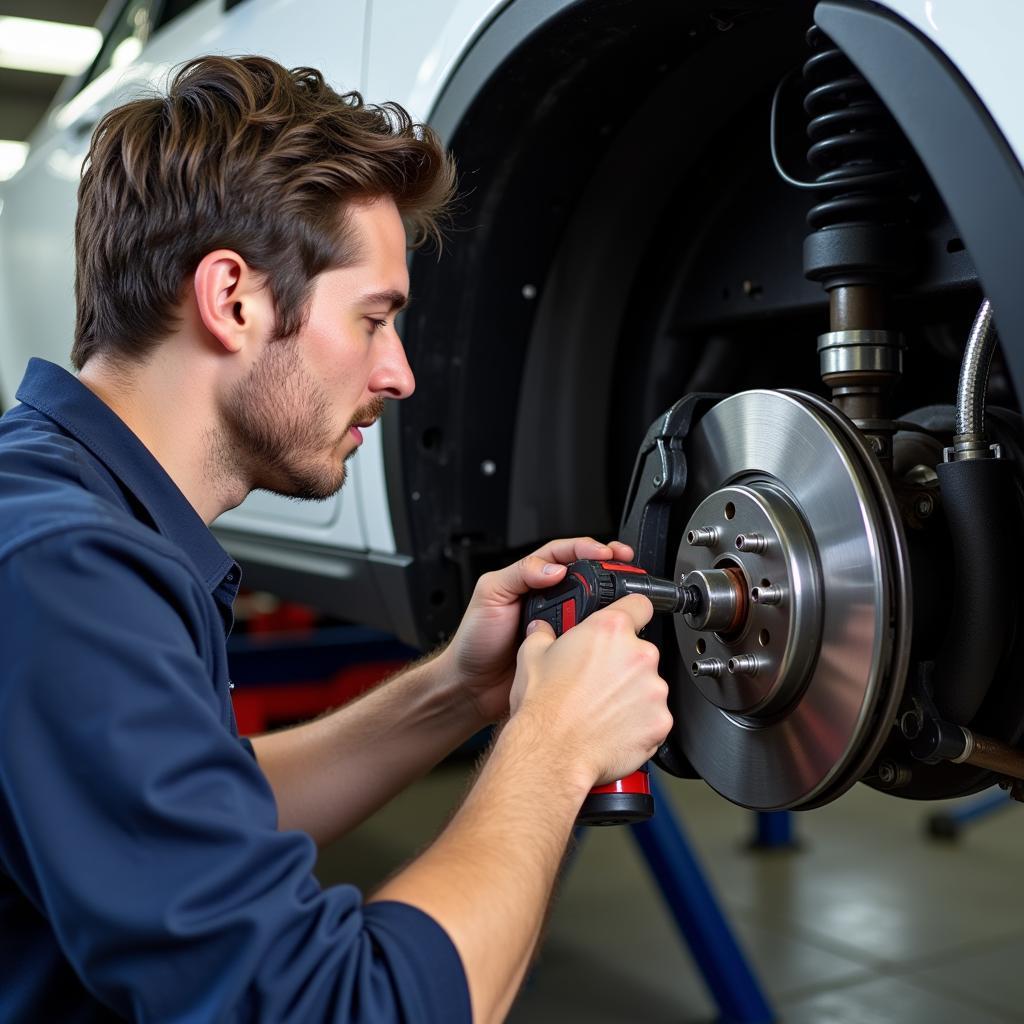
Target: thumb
{"x": 539, "y": 637}
{"x": 540, "y": 626}
{"x": 505, "y": 586}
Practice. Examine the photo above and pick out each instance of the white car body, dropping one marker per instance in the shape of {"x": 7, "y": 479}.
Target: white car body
{"x": 390, "y": 50}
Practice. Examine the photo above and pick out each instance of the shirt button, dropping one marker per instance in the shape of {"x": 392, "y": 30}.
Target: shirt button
{"x": 230, "y": 577}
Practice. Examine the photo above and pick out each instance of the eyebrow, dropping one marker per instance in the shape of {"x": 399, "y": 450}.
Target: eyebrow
{"x": 394, "y": 300}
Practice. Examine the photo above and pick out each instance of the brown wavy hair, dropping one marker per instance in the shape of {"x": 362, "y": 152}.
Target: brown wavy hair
{"x": 240, "y": 154}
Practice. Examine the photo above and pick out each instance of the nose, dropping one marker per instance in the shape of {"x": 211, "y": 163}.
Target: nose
{"x": 393, "y": 376}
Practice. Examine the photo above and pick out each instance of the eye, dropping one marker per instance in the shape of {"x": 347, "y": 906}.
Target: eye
{"x": 377, "y": 324}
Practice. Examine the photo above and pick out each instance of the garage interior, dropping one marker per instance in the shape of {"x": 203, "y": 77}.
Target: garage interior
{"x": 880, "y": 910}
{"x": 869, "y": 920}
{"x": 28, "y": 87}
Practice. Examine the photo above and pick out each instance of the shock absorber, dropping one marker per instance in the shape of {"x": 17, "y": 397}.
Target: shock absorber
{"x": 861, "y": 238}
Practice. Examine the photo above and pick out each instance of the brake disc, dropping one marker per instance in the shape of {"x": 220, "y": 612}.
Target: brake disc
{"x": 789, "y": 705}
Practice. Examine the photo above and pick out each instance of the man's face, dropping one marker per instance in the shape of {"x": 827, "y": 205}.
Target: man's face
{"x": 294, "y": 419}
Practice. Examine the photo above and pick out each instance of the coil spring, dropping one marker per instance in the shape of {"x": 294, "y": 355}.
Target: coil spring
{"x": 852, "y": 135}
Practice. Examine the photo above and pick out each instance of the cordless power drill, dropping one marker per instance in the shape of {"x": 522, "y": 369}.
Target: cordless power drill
{"x": 589, "y": 585}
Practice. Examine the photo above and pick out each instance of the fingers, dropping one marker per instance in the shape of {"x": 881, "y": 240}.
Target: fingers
{"x": 596, "y": 688}
{"x": 569, "y": 549}
{"x": 634, "y": 610}
{"x": 621, "y": 552}
{"x": 509, "y": 584}
{"x": 546, "y": 566}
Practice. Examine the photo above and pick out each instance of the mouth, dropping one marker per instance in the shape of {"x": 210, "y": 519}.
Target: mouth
{"x": 356, "y": 430}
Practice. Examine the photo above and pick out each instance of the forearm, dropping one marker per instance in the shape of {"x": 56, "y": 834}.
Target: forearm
{"x": 488, "y": 878}
{"x": 330, "y": 774}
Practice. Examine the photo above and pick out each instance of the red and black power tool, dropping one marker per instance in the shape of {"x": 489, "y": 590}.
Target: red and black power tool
{"x": 589, "y": 585}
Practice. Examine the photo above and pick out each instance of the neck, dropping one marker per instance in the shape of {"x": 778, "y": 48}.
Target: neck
{"x": 169, "y": 403}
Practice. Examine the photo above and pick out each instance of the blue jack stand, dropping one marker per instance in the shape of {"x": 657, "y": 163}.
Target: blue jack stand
{"x": 949, "y": 824}
{"x": 697, "y": 915}
{"x": 774, "y": 831}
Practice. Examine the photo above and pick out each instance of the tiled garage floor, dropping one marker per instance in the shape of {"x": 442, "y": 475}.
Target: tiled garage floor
{"x": 869, "y": 923}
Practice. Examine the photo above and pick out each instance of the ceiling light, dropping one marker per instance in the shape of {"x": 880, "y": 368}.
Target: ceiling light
{"x": 48, "y": 46}
{"x": 125, "y": 52}
{"x": 12, "y": 156}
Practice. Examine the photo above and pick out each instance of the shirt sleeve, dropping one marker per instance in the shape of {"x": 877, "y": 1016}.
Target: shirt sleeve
{"x": 147, "y": 835}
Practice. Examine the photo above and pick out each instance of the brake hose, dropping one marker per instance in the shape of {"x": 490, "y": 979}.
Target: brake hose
{"x": 970, "y": 441}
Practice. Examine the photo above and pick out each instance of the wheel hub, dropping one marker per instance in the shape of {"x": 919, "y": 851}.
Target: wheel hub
{"x": 755, "y": 531}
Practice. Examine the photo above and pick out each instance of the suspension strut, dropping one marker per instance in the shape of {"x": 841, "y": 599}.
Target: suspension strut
{"x": 861, "y": 239}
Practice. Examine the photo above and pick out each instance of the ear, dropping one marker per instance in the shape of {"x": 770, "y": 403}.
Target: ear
{"x": 231, "y": 299}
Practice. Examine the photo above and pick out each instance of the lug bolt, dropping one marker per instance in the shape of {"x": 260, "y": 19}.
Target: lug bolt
{"x": 744, "y": 665}
{"x": 924, "y": 506}
{"x": 707, "y": 667}
{"x": 703, "y": 537}
{"x": 754, "y": 542}
{"x": 766, "y": 595}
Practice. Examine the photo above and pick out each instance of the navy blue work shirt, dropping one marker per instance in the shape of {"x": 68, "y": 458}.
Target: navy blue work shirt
{"x": 142, "y": 874}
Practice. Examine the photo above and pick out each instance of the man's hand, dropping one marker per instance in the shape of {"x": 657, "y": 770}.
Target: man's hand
{"x": 586, "y": 708}
{"x": 482, "y": 654}
{"x": 597, "y": 690}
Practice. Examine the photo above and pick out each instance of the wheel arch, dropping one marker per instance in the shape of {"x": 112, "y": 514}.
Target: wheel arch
{"x": 557, "y": 117}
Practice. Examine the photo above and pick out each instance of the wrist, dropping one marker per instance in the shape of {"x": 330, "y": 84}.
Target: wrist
{"x": 465, "y": 690}
{"x": 454, "y": 693}
{"x": 535, "y": 736}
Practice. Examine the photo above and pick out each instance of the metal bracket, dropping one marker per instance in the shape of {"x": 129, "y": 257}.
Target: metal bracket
{"x": 931, "y": 738}
{"x": 659, "y": 479}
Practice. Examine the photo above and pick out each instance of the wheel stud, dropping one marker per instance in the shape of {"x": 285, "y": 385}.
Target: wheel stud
{"x": 756, "y": 543}
{"x": 707, "y": 667}
{"x": 744, "y": 665}
{"x": 766, "y": 595}
{"x": 703, "y": 537}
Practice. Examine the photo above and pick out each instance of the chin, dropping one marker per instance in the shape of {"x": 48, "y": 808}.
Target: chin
{"x": 307, "y": 484}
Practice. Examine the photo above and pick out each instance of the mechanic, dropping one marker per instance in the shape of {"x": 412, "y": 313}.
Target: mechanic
{"x": 240, "y": 257}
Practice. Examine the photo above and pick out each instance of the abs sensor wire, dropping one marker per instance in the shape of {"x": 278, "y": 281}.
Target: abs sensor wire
{"x": 876, "y": 178}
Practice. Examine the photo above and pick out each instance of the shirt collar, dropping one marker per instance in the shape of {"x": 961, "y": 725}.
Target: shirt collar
{"x": 62, "y": 397}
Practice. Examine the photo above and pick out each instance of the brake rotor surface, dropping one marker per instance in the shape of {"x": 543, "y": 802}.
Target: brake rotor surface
{"x": 806, "y": 700}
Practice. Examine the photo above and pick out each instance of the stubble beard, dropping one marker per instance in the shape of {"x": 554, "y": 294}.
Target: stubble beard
{"x": 277, "y": 433}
